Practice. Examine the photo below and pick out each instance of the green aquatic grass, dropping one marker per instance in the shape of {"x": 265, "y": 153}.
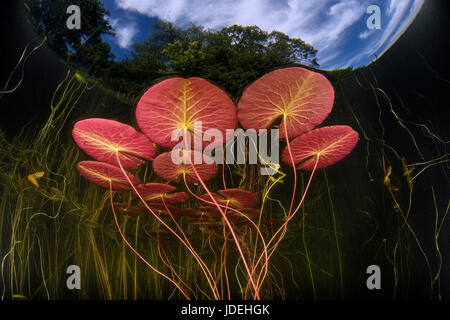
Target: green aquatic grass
{"x": 60, "y": 223}
{"x": 343, "y": 226}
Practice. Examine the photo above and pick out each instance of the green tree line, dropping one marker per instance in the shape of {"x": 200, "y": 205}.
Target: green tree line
{"x": 232, "y": 57}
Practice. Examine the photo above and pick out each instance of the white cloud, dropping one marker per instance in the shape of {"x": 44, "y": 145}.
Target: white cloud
{"x": 313, "y": 20}
{"x": 366, "y": 34}
{"x": 318, "y": 22}
{"x": 325, "y": 24}
{"x": 125, "y": 32}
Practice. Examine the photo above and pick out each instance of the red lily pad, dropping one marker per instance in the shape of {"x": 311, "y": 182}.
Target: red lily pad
{"x": 176, "y": 103}
{"x": 171, "y": 198}
{"x": 235, "y": 198}
{"x": 302, "y": 98}
{"x": 330, "y": 143}
{"x": 153, "y": 192}
{"x": 102, "y": 173}
{"x": 165, "y": 168}
{"x": 212, "y": 212}
{"x": 207, "y": 201}
{"x": 239, "y": 197}
{"x": 161, "y": 209}
{"x": 102, "y": 138}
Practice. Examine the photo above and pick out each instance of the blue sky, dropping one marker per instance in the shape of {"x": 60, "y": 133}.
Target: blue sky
{"x": 337, "y": 29}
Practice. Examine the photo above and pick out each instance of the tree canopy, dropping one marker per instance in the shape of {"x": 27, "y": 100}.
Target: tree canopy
{"x": 232, "y": 57}
{"x": 235, "y": 55}
{"x": 83, "y": 47}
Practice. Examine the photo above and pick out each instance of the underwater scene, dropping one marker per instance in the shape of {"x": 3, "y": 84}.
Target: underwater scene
{"x": 271, "y": 150}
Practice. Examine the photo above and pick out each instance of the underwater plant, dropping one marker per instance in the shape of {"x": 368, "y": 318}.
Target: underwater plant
{"x": 295, "y": 100}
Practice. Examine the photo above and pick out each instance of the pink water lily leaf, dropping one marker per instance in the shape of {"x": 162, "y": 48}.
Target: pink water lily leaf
{"x": 235, "y": 198}
{"x": 173, "y": 105}
{"x": 171, "y": 198}
{"x": 202, "y": 214}
{"x": 102, "y": 138}
{"x": 331, "y": 144}
{"x": 207, "y": 201}
{"x": 213, "y": 212}
{"x": 239, "y": 197}
{"x": 301, "y": 98}
{"x": 193, "y": 213}
{"x": 165, "y": 167}
{"x": 161, "y": 209}
{"x": 153, "y": 190}
{"x": 102, "y": 173}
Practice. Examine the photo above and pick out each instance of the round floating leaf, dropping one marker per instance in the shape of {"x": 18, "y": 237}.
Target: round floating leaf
{"x": 301, "y": 98}
{"x": 153, "y": 190}
{"x": 330, "y": 143}
{"x": 160, "y": 209}
{"x": 165, "y": 168}
{"x": 171, "y": 198}
{"x": 207, "y": 201}
{"x": 102, "y": 138}
{"x": 239, "y": 197}
{"x": 173, "y": 105}
{"x": 102, "y": 173}
{"x": 210, "y": 212}
{"x": 235, "y": 198}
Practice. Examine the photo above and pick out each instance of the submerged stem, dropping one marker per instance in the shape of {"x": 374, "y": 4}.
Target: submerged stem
{"x": 134, "y": 250}
{"x": 188, "y": 246}
{"x": 284, "y": 226}
{"x": 225, "y": 219}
